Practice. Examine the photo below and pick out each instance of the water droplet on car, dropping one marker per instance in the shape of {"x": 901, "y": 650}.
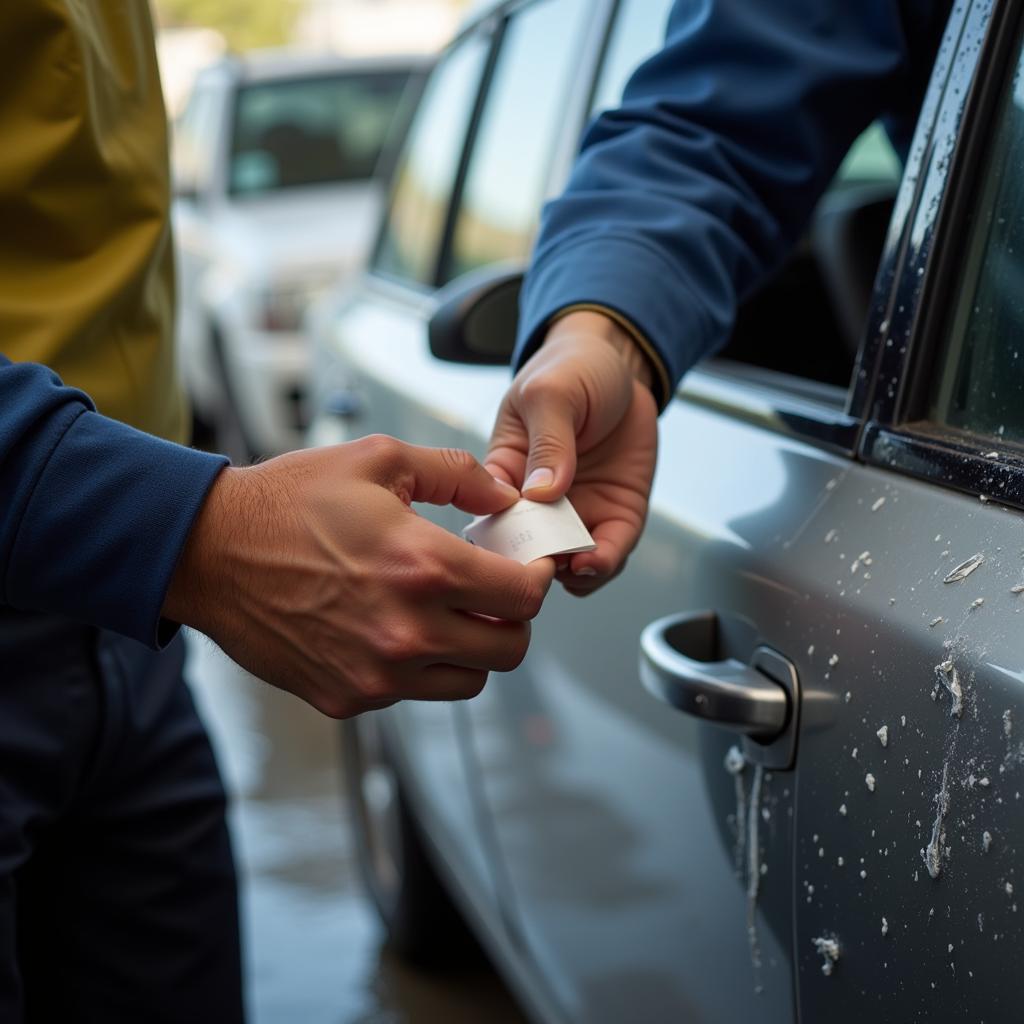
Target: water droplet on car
{"x": 964, "y": 569}
{"x": 827, "y": 946}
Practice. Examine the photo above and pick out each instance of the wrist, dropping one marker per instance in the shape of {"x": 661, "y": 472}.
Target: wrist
{"x": 195, "y": 590}
{"x": 596, "y": 325}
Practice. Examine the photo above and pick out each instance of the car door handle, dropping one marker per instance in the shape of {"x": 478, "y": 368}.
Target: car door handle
{"x": 682, "y": 664}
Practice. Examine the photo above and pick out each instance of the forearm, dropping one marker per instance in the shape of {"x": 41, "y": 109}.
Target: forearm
{"x": 692, "y": 193}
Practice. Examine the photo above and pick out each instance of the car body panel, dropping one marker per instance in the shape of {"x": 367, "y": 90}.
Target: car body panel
{"x": 887, "y": 771}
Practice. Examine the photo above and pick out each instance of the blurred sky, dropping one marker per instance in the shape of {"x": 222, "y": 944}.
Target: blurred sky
{"x": 192, "y": 33}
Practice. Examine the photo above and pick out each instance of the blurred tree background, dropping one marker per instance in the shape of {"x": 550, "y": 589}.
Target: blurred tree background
{"x": 245, "y": 24}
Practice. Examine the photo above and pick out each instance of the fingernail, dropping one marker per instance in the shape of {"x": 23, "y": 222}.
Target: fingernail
{"x": 506, "y": 487}
{"x": 539, "y": 478}
{"x": 587, "y": 570}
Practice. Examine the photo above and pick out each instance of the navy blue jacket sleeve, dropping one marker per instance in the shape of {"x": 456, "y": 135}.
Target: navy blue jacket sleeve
{"x": 93, "y": 513}
{"x": 688, "y": 196}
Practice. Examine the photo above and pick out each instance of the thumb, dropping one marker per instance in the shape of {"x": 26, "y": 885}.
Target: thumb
{"x": 551, "y": 462}
{"x": 451, "y": 476}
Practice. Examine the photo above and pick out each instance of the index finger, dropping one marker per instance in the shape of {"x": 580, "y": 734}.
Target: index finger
{"x": 490, "y": 584}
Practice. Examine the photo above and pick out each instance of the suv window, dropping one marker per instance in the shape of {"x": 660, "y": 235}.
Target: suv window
{"x": 980, "y": 386}
{"x": 312, "y": 131}
{"x": 521, "y": 121}
{"x": 425, "y": 175}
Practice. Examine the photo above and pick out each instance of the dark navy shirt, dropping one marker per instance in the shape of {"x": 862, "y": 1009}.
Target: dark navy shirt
{"x": 688, "y": 196}
{"x": 93, "y": 513}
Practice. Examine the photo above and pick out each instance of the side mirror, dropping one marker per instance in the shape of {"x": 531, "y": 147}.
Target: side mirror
{"x": 477, "y": 316}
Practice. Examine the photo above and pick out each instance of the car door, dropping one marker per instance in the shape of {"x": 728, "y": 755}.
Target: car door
{"x": 646, "y": 866}
{"x": 909, "y": 778}
{"x": 650, "y": 865}
{"x": 660, "y": 869}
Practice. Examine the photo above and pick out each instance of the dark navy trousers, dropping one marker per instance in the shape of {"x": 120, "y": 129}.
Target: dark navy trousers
{"x": 118, "y": 897}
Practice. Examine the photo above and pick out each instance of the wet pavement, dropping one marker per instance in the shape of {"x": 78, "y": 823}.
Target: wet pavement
{"x": 313, "y": 945}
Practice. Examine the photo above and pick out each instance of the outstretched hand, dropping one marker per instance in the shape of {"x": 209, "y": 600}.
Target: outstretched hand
{"x": 313, "y": 572}
{"x": 580, "y": 419}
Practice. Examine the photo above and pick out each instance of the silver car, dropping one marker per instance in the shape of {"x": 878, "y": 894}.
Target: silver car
{"x": 773, "y": 772}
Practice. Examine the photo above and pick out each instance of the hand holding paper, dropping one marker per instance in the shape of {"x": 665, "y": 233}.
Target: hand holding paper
{"x": 578, "y": 422}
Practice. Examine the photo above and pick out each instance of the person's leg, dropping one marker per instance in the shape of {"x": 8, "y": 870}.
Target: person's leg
{"x": 49, "y": 714}
{"x": 131, "y": 901}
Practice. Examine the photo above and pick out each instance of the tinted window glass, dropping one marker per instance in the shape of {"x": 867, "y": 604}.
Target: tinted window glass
{"x": 521, "y": 121}
{"x": 426, "y": 169}
{"x": 981, "y": 387}
{"x": 638, "y": 33}
{"x": 311, "y": 131}
{"x": 870, "y": 159}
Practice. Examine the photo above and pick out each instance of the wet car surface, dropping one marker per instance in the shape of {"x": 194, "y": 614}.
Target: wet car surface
{"x": 836, "y": 515}
{"x": 313, "y": 946}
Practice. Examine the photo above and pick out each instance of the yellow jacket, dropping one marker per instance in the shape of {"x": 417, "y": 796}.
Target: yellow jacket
{"x": 86, "y": 267}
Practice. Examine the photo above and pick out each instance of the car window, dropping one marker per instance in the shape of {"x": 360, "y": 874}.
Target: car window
{"x": 980, "y": 385}
{"x": 425, "y": 175}
{"x": 520, "y": 124}
{"x": 871, "y": 158}
{"x": 638, "y": 32}
{"x": 311, "y": 131}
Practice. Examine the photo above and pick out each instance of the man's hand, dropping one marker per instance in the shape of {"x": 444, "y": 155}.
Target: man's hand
{"x": 314, "y": 573}
{"x": 580, "y": 419}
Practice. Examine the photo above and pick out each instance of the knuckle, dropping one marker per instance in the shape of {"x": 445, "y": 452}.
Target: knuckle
{"x": 470, "y": 685}
{"x": 393, "y": 645}
{"x": 377, "y": 688}
{"x": 528, "y": 599}
{"x": 383, "y": 451}
{"x": 374, "y": 684}
{"x": 539, "y": 391}
{"x": 546, "y": 448}
{"x": 517, "y": 650}
{"x": 424, "y": 574}
{"x": 475, "y": 685}
{"x": 336, "y": 706}
{"x": 457, "y": 459}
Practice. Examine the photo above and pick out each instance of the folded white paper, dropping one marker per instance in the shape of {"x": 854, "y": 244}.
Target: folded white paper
{"x": 529, "y": 530}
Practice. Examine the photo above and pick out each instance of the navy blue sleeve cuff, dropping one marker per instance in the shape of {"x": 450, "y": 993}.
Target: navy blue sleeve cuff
{"x": 104, "y": 526}
{"x": 624, "y": 275}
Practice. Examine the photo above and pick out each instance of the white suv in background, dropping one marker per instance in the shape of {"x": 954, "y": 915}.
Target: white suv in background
{"x": 277, "y": 162}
